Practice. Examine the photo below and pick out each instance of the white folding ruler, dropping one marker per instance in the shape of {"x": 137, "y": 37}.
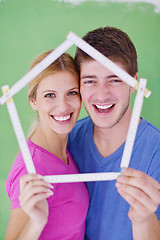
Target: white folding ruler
{"x": 19, "y": 132}
{"x": 73, "y": 39}
{"x": 79, "y": 177}
{"x": 35, "y": 71}
{"x": 127, "y": 149}
{"x": 106, "y": 62}
{"x": 91, "y": 51}
{"x": 135, "y": 118}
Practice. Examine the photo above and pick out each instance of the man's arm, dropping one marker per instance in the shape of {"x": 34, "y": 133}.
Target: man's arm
{"x": 143, "y": 194}
{"x": 147, "y": 230}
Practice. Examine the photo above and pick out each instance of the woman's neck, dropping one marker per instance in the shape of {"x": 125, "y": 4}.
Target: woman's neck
{"x": 52, "y": 142}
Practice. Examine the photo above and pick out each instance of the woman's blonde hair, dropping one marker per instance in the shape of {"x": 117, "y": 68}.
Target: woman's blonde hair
{"x": 64, "y": 63}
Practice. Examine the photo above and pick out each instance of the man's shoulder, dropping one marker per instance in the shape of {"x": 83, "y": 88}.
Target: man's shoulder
{"x": 81, "y": 129}
{"x": 82, "y": 125}
{"x": 150, "y": 128}
{"x": 154, "y": 129}
{"x": 149, "y": 132}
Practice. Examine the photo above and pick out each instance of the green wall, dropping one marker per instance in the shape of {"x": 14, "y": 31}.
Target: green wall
{"x": 29, "y": 27}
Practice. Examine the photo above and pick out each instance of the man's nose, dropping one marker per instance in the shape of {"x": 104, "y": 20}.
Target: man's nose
{"x": 102, "y": 91}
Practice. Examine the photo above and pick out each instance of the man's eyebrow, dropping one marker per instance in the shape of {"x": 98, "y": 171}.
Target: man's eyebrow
{"x": 88, "y": 76}
{"x": 94, "y": 76}
{"x": 113, "y": 76}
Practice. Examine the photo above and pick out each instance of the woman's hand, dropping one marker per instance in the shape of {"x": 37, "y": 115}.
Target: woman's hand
{"x": 33, "y": 193}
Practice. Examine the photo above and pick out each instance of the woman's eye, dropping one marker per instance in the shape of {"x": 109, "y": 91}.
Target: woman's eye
{"x": 49, "y": 95}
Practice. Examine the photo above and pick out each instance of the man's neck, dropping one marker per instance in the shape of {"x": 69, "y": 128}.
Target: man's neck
{"x": 108, "y": 140}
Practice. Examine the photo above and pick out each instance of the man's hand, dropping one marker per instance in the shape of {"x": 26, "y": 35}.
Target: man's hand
{"x": 141, "y": 191}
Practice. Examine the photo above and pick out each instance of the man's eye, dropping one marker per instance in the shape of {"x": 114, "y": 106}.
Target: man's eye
{"x": 89, "y": 82}
{"x": 49, "y": 95}
{"x": 72, "y": 93}
{"x": 115, "y": 82}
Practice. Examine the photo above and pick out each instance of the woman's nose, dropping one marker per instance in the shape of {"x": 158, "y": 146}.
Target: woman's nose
{"x": 62, "y": 103}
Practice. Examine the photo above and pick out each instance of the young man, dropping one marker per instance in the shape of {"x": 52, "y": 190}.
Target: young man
{"x": 128, "y": 208}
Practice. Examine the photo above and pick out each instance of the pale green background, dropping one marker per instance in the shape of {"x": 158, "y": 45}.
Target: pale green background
{"x": 29, "y": 27}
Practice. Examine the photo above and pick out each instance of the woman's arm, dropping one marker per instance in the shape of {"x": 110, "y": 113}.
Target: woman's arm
{"x": 21, "y": 227}
{"x": 17, "y": 221}
{"x": 28, "y": 222}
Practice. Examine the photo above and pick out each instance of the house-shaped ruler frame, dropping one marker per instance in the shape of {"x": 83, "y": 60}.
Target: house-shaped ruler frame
{"x": 72, "y": 39}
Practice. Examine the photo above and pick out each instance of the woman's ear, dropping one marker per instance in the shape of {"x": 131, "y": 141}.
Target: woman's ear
{"x": 136, "y": 77}
{"x": 33, "y": 103}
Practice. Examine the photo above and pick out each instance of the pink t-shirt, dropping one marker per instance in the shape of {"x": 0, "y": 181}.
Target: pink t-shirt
{"x": 69, "y": 204}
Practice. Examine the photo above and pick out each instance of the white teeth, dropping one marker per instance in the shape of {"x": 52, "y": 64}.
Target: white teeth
{"x": 104, "y": 107}
{"x": 62, "y": 118}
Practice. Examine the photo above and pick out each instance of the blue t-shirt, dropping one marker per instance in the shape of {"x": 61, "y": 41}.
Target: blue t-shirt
{"x": 108, "y": 212}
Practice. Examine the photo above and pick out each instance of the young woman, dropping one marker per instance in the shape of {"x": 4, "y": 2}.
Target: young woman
{"x": 54, "y": 94}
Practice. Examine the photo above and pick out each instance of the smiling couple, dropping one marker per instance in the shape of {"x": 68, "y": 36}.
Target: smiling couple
{"x": 127, "y": 208}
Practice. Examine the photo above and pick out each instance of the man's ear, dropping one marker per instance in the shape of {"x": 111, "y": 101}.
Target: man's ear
{"x": 33, "y": 103}
{"x": 136, "y": 77}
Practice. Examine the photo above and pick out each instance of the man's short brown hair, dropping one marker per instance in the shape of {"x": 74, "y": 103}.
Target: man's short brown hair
{"x": 112, "y": 43}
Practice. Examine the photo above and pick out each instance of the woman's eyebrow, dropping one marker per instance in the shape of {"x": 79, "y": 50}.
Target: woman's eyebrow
{"x": 74, "y": 88}
{"x": 50, "y": 90}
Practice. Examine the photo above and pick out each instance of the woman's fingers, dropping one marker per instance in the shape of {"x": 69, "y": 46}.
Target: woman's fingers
{"x": 31, "y": 185}
{"x": 30, "y": 180}
{"x": 32, "y": 201}
{"x": 33, "y": 191}
{"x": 27, "y": 178}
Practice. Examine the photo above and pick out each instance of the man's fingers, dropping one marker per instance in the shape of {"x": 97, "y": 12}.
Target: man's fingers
{"x": 130, "y": 172}
{"x": 142, "y": 182}
{"x": 137, "y": 198}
